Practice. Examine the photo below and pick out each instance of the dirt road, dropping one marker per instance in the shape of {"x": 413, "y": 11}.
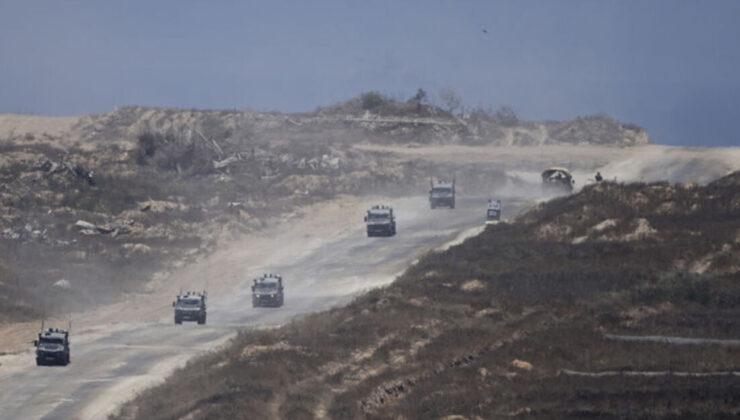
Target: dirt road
{"x": 324, "y": 261}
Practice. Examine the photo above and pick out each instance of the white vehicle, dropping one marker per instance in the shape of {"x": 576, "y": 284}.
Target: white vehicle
{"x": 493, "y": 212}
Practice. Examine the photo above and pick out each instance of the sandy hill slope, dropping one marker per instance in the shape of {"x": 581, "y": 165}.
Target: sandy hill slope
{"x": 31, "y": 127}
{"x": 619, "y": 301}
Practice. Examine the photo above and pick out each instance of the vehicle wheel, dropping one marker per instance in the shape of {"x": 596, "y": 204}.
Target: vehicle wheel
{"x": 202, "y": 320}
{"x": 66, "y": 360}
{"x": 453, "y": 205}
{"x": 39, "y": 362}
{"x": 178, "y": 320}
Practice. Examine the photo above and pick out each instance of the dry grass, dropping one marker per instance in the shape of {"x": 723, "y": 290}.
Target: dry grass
{"x": 427, "y": 346}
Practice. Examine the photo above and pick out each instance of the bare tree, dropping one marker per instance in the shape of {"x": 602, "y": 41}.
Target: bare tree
{"x": 450, "y": 99}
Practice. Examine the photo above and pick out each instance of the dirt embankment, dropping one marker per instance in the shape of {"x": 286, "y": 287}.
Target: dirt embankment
{"x": 518, "y": 321}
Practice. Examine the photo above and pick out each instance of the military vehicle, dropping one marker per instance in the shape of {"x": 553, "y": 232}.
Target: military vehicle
{"x": 190, "y": 306}
{"x": 493, "y": 212}
{"x": 267, "y": 290}
{"x": 52, "y": 346}
{"x": 557, "y": 180}
{"x": 380, "y": 221}
{"x": 442, "y": 194}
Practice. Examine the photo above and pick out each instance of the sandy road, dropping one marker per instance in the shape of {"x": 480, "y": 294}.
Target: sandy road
{"x": 324, "y": 260}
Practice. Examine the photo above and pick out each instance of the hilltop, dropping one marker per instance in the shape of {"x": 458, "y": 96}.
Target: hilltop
{"x": 382, "y": 121}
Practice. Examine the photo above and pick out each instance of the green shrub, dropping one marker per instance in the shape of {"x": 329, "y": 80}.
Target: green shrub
{"x": 371, "y": 100}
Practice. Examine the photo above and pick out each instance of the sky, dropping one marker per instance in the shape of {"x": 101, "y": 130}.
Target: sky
{"x": 671, "y": 66}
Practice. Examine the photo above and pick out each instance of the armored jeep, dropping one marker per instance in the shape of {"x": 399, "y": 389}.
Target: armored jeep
{"x": 380, "y": 221}
{"x": 267, "y": 290}
{"x": 190, "y": 306}
{"x": 493, "y": 212}
{"x": 442, "y": 194}
{"x": 52, "y": 347}
{"x": 557, "y": 180}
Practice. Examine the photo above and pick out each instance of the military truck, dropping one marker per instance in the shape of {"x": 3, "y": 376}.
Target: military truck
{"x": 441, "y": 194}
{"x": 493, "y": 212}
{"x": 190, "y": 306}
{"x": 557, "y": 180}
{"x": 380, "y": 221}
{"x": 267, "y": 290}
{"x": 52, "y": 347}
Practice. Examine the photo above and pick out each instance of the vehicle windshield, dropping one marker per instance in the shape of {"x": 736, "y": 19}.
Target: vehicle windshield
{"x": 266, "y": 286}
{"x": 189, "y": 302}
{"x": 441, "y": 191}
{"x": 557, "y": 176}
{"x": 51, "y": 340}
{"x": 378, "y": 216}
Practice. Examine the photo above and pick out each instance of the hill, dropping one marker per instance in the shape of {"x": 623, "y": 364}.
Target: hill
{"x": 92, "y": 207}
{"x": 619, "y": 301}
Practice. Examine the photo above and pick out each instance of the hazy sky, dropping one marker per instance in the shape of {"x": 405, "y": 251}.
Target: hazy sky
{"x": 670, "y": 66}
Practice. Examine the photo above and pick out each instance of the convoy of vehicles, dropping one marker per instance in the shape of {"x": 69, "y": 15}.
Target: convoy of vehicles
{"x": 442, "y": 194}
{"x": 267, "y": 290}
{"x": 52, "y": 347}
{"x": 190, "y": 306}
{"x": 380, "y": 221}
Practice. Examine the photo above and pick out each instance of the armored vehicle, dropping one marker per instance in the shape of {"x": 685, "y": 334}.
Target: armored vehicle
{"x": 442, "y": 194}
{"x": 493, "y": 212}
{"x": 52, "y": 347}
{"x": 190, "y": 306}
{"x": 380, "y": 221}
{"x": 557, "y": 180}
{"x": 267, "y": 290}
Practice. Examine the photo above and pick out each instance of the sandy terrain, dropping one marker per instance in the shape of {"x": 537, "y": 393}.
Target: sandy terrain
{"x": 15, "y": 124}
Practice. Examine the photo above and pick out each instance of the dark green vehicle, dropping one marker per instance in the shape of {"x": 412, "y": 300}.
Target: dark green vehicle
{"x": 380, "y": 221}
{"x": 190, "y": 306}
{"x": 442, "y": 194}
{"x": 267, "y": 290}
